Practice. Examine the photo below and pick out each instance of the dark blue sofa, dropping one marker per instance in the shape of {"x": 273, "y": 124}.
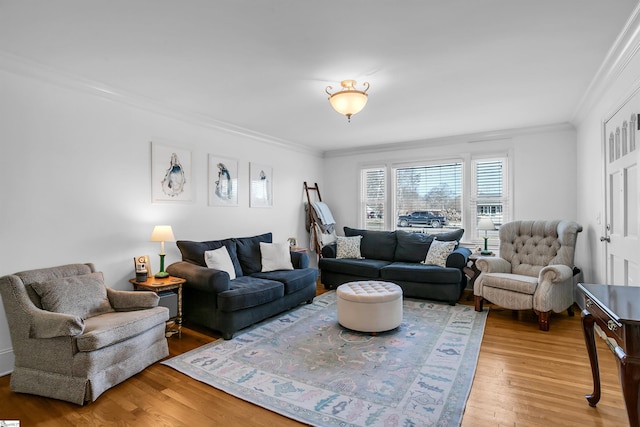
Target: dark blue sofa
{"x": 395, "y": 256}
{"x": 212, "y": 300}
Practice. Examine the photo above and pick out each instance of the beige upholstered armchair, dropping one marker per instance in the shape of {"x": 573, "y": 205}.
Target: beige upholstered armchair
{"x": 534, "y": 269}
{"x": 73, "y": 338}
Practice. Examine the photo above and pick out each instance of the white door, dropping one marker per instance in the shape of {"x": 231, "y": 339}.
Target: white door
{"x": 621, "y": 194}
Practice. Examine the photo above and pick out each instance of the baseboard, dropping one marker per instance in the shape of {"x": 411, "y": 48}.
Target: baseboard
{"x": 7, "y": 360}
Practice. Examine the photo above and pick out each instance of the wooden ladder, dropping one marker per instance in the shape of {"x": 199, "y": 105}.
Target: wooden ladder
{"x": 312, "y": 221}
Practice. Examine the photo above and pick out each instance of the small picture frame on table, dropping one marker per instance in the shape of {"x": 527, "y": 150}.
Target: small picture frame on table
{"x": 142, "y": 267}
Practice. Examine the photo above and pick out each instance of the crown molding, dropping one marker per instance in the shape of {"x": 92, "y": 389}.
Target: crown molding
{"x": 24, "y": 67}
{"x": 621, "y": 53}
{"x": 470, "y": 138}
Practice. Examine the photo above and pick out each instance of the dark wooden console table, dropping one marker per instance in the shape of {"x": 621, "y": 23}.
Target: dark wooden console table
{"x": 616, "y": 310}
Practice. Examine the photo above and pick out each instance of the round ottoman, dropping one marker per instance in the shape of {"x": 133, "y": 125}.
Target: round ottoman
{"x": 369, "y": 306}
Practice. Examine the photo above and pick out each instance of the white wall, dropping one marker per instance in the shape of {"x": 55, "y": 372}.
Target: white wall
{"x": 617, "y": 80}
{"x": 543, "y": 168}
{"x": 76, "y": 185}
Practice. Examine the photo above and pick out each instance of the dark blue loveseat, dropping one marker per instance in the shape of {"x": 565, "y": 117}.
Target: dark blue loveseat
{"x": 396, "y": 256}
{"x": 213, "y": 300}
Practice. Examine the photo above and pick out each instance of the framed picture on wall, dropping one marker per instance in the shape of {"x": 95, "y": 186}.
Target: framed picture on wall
{"x": 170, "y": 174}
{"x": 223, "y": 181}
{"x": 261, "y": 185}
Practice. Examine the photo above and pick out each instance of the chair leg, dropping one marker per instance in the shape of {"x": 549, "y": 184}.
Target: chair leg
{"x": 570, "y": 311}
{"x": 543, "y": 320}
{"x": 478, "y": 302}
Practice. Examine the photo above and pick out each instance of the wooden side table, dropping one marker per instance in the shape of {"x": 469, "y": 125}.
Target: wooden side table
{"x": 157, "y": 285}
{"x": 614, "y": 310}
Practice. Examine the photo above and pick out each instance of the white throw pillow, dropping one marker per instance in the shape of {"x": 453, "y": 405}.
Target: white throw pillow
{"x": 348, "y": 247}
{"x": 275, "y": 256}
{"x": 220, "y": 260}
{"x": 438, "y": 252}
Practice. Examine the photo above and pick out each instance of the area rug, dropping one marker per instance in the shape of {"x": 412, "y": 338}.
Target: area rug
{"x": 304, "y": 365}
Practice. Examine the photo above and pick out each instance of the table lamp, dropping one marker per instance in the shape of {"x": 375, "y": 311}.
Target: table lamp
{"x": 162, "y": 233}
{"x": 486, "y": 224}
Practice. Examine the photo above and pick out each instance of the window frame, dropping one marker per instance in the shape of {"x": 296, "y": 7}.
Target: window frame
{"x": 474, "y": 199}
{"x": 362, "y": 199}
{"x": 471, "y": 237}
{"x": 424, "y": 163}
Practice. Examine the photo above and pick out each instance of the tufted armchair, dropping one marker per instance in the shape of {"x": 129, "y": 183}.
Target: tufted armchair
{"x": 534, "y": 269}
{"x": 73, "y": 338}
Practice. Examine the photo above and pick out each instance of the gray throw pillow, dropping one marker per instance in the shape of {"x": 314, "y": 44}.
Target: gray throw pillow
{"x": 84, "y": 296}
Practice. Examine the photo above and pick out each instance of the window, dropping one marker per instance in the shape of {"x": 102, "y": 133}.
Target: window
{"x": 437, "y": 197}
{"x": 373, "y": 198}
{"x": 429, "y": 196}
{"x": 489, "y": 197}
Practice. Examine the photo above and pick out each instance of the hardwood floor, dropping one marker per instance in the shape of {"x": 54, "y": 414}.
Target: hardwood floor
{"x": 524, "y": 377}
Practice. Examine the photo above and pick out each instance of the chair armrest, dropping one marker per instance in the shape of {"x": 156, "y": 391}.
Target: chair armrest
{"x": 47, "y": 324}
{"x": 555, "y": 274}
{"x": 132, "y": 300}
{"x": 488, "y": 264}
{"x": 330, "y": 250}
{"x": 201, "y": 278}
{"x": 299, "y": 260}
{"x": 458, "y": 258}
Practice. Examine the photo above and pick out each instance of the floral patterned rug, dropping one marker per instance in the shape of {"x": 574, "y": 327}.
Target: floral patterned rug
{"x": 304, "y": 365}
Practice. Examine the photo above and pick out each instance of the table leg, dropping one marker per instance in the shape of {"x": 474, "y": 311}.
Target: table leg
{"x": 589, "y": 339}
{"x": 179, "y": 319}
{"x": 630, "y": 380}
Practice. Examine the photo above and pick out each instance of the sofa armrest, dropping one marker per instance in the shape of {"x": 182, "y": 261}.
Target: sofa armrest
{"x": 47, "y": 324}
{"x": 299, "y": 260}
{"x": 132, "y": 300}
{"x": 458, "y": 258}
{"x": 201, "y": 278}
{"x": 555, "y": 274}
{"x": 330, "y": 250}
{"x": 489, "y": 264}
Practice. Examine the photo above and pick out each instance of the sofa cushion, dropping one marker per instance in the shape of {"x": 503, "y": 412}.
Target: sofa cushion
{"x": 111, "y": 328}
{"x": 511, "y": 282}
{"x": 439, "y": 252}
{"x": 248, "y": 250}
{"x": 219, "y": 259}
{"x": 421, "y": 273}
{"x": 275, "y": 256}
{"x": 368, "y": 268}
{"x": 413, "y": 247}
{"x": 375, "y": 244}
{"x": 84, "y": 296}
{"x": 348, "y": 247}
{"x": 247, "y": 292}
{"x": 293, "y": 280}
{"x": 193, "y": 252}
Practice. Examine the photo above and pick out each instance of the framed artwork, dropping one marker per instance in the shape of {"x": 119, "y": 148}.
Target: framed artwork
{"x": 261, "y": 185}
{"x": 223, "y": 181}
{"x": 170, "y": 174}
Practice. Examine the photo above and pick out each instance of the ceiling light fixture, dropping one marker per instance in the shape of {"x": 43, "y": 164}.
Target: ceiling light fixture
{"x": 348, "y": 101}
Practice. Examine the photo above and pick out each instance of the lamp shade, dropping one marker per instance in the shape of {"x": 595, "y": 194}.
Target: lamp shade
{"x": 485, "y": 224}
{"x": 162, "y": 233}
{"x": 348, "y": 101}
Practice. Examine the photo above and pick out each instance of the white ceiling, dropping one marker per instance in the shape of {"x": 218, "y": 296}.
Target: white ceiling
{"x": 436, "y": 68}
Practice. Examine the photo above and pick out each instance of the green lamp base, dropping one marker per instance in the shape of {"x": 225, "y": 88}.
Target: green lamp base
{"x": 161, "y": 274}
{"x": 485, "y": 251}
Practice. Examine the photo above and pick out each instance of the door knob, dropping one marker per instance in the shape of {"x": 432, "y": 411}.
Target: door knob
{"x": 605, "y": 239}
